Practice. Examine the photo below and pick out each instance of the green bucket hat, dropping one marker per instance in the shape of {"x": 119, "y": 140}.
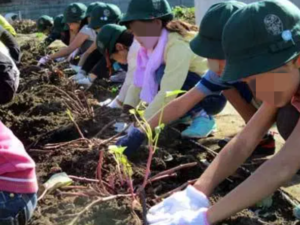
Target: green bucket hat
{"x": 91, "y": 7}
{"x": 208, "y": 42}
{"x": 108, "y": 36}
{"x": 105, "y": 14}
{"x": 261, "y": 37}
{"x": 147, "y": 10}
{"x": 75, "y": 12}
{"x": 59, "y": 25}
{"x": 43, "y": 22}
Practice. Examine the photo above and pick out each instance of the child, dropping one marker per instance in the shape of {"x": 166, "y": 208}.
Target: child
{"x": 117, "y": 43}
{"x": 92, "y": 61}
{"x": 238, "y": 93}
{"x": 81, "y": 36}
{"x": 60, "y": 31}
{"x": 18, "y": 183}
{"x": 45, "y": 24}
{"x": 270, "y": 66}
{"x": 159, "y": 67}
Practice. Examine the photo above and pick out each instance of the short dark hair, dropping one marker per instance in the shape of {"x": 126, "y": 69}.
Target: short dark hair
{"x": 126, "y": 38}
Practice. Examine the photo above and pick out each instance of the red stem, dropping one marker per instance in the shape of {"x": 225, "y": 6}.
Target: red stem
{"x": 148, "y": 169}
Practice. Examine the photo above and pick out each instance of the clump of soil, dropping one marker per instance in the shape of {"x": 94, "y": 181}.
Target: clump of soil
{"x": 25, "y": 26}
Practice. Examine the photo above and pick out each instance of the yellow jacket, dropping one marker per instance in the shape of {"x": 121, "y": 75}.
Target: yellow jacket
{"x": 179, "y": 60}
{"x": 6, "y": 25}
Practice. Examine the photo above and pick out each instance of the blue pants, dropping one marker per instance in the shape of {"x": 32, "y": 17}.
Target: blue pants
{"x": 212, "y": 104}
{"x": 16, "y": 209}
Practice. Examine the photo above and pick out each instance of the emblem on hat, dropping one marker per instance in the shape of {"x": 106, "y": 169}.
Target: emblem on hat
{"x": 74, "y": 10}
{"x": 106, "y": 12}
{"x": 41, "y": 22}
{"x": 273, "y": 24}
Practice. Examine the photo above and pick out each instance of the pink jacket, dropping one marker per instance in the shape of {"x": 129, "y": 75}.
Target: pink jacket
{"x": 17, "y": 169}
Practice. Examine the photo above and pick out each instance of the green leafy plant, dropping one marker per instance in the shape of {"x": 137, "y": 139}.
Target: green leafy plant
{"x": 152, "y": 137}
{"x": 123, "y": 166}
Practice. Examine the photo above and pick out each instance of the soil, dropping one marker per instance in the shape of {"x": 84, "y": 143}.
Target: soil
{"x": 39, "y": 117}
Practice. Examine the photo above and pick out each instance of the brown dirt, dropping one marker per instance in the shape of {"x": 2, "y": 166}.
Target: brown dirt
{"x": 38, "y": 117}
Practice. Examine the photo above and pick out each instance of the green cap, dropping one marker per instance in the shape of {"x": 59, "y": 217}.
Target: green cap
{"x": 108, "y": 37}
{"x": 261, "y": 37}
{"x": 147, "y": 10}
{"x": 43, "y": 22}
{"x": 59, "y": 25}
{"x": 208, "y": 42}
{"x": 91, "y": 7}
{"x": 105, "y": 14}
{"x": 75, "y": 12}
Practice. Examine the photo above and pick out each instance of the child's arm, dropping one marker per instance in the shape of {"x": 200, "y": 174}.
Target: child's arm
{"x": 246, "y": 110}
{"x": 178, "y": 107}
{"x": 269, "y": 177}
{"x": 237, "y": 150}
{"x": 76, "y": 43}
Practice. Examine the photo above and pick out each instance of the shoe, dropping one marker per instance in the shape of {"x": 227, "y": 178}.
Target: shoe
{"x": 86, "y": 82}
{"x": 202, "y": 126}
{"x": 266, "y": 147}
{"x": 118, "y": 77}
{"x": 80, "y": 75}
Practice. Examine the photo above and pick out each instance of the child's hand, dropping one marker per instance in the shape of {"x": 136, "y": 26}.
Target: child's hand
{"x": 188, "y": 200}
{"x": 133, "y": 140}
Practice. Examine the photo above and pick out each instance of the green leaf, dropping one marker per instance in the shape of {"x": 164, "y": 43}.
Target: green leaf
{"x": 69, "y": 113}
{"x": 132, "y": 111}
{"x": 58, "y": 180}
{"x": 172, "y": 93}
{"x": 116, "y": 149}
{"x": 159, "y": 128}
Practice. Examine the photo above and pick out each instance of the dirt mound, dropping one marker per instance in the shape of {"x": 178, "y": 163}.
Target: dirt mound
{"x": 25, "y": 26}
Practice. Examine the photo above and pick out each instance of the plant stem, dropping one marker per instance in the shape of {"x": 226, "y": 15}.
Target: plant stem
{"x": 148, "y": 169}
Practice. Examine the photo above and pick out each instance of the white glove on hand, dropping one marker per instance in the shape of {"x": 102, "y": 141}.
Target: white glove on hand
{"x": 44, "y": 60}
{"x": 189, "y": 199}
{"x": 73, "y": 55}
{"x": 187, "y": 217}
{"x": 114, "y": 104}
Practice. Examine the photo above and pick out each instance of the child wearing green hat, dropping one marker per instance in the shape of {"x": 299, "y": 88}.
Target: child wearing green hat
{"x": 274, "y": 77}
{"x": 81, "y": 36}
{"x": 60, "y": 31}
{"x": 93, "y": 64}
{"x": 159, "y": 67}
{"x": 116, "y": 43}
{"x": 45, "y": 24}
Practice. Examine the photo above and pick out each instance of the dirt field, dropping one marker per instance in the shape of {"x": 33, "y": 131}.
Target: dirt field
{"x": 39, "y": 117}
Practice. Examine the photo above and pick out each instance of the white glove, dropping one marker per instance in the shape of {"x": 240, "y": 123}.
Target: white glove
{"x": 190, "y": 199}
{"x": 44, "y": 60}
{"x": 114, "y": 104}
{"x": 73, "y": 55}
{"x": 186, "y": 217}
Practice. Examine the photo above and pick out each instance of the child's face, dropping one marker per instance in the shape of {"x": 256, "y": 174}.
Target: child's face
{"x": 74, "y": 26}
{"x": 216, "y": 65}
{"x": 121, "y": 54}
{"x": 277, "y": 87}
{"x": 147, "y": 33}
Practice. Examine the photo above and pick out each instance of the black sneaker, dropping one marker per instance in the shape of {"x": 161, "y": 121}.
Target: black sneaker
{"x": 265, "y": 148}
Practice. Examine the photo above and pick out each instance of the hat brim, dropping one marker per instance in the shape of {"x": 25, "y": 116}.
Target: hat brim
{"x": 207, "y": 48}
{"x": 140, "y": 16}
{"x": 235, "y": 71}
